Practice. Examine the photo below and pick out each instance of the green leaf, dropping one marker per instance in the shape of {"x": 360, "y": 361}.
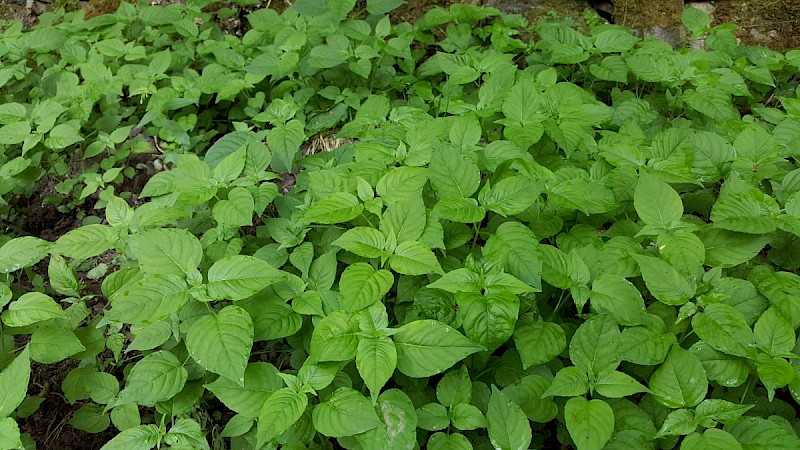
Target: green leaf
{"x": 508, "y": 427}
{"x": 402, "y": 183}
{"x": 406, "y": 219}
{"x": 590, "y": 422}
{"x": 363, "y": 241}
{"x": 774, "y": 334}
{"x": 774, "y": 373}
{"x": 695, "y": 20}
{"x": 14, "y": 133}
{"x": 432, "y": 417}
{"x": 619, "y": 298}
{"x": 721, "y": 411}
{"x": 22, "y": 252}
{"x": 51, "y": 344}
{"x": 529, "y": 394}
{"x": 643, "y": 346}
{"x": 724, "y": 329}
{"x": 376, "y": 359}
{"x": 488, "y": 319}
{"x": 9, "y": 433}
{"x": 510, "y": 196}
{"x": 727, "y": 370}
{"x": 514, "y": 247}
{"x": 656, "y": 202}
{"x": 383, "y": 6}
{"x": 595, "y": 345}
{"x": 712, "y": 438}
{"x": 428, "y": 347}
{"x": 148, "y": 300}
{"x": 238, "y": 277}
{"x": 467, "y": 417}
{"x": 679, "y": 423}
{"x": 31, "y": 308}
{"x": 284, "y": 143}
{"x": 186, "y": 433}
{"x": 335, "y": 337}
{"x": 538, "y": 342}
{"x": 665, "y": 283}
{"x": 568, "y": 382}
{"x": 168, "y": 251}
{"x": 346, "y": 413}
{"x": 728, "y": 248}
{"x": 615, "y": 384}
{"x": 63, "y": 135}
{"x": 452, "y": 175}
{"x": 454, "y": 388}
{"x": 459, "y": 209}
{"x": 414, "y": 258}
{"x": 90, "y": 418}
{"x": 260, "y": 381}
{"x": 154, "y": 378}
{"x": 62, "y": 277}
{"x": 14, "y": 383}
{"x": 361, "y": 286}
{"x": 781, "y": 288}
{"x": 281, "y": 410}
{"x": 334, "y": 208}
{"x": 452, "y": 441}
{"x": 142, "y": 437}
{"x": 680, "y": 382}
{"x": 744, "y": 209}
{"x": 235, "y": 211}
{"x": 221, "y": 342}
{"x": 85, "y": 242}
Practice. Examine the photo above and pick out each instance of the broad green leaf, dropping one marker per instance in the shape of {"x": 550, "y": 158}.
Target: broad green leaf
{"x": 235, "y": 211}
{"x": 459, "y": 209}
{"x": 774, "y": 333}
{"x": 679, "y": 422}
{"x": 62, "y": 276}
{"x": 508, "y": 427}
{"x": 432, "y": 417}
{"x": 590, "y": 422}
{"x": 744, "y": 209}
{"x": 221, "y": 342}
{"x": 721, "y": 411}
{"x": 51, "y": 344}
{"x": 454, "y": 388}
{"x": 728, "y": 248}
{"x": 451, "y": 174}
{"x": 9, "y": 433}
{"x": 90, "y": 418}
{"x": 167, "y": 251}
{"x": 515, "y": 247}
{"x": 643, "y": 346}
{"x": 346, "y": 413}
{"x": 656, "y": 202}
{"x": 85, "y": 242}
{"x": 414, "y": 258}
{"x": 724, "y": 329}
{"x": 22, "y": 252}
{"x": 510, "y": 196}
{"x": 774, "y": 373}
{"x": 383, "y": 6}
{"x": 568, "y": 382}
{"x": 682, "y": 250}
{"x": 284, "y": 143}
{"x": 529, "y": 394}
{"x": 402, "y": 183}
{"x": 619, "y": 298}
{"x": 396, "y": 411}
{"x": 680, "y": 382}
{"x": 727, "y": 370}
{"x": 147, "y": 300}
{"x": 361, "y": 286}
{"x": 406, "y": 219}
{"x": 186, "y": 433}
{"x": 465, "y": 417}
{"x": 758, "y": 432}
{"x": 781, "y": 289}
{"x": 538, "y": 342}
{"x": 614, "y": 384}
{"x": 281, "y": 410}
{"x": 238, "y": 277}
{"x": 363, "y": 241}
{"x": 272, "y": 319}
{"x": 142, "y": 437}
{"x": 665, "y": 283}
{"x": 376, "y": 359}
{"x": 335, "y": 337}
{"x": 31, "y": 308}
{"x": 338, "y": 207}
{"x": 156, "y": 377}
{"x": 595, "y": 345}
{"x": 452, "y": 441}
{"x": 260, "y": 381}
{"x": 712, "y": 438}
{"x": 428, "y": 347}
{"x": 14, "y": 383}
{"x": 488, "y": 319}
{"x": 14, "y": 133}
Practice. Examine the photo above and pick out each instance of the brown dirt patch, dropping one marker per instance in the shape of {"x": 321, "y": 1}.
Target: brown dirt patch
{"x": 771, "y": 23}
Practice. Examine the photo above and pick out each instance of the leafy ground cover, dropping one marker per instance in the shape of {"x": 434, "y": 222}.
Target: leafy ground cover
{"x": 528, "y": 237}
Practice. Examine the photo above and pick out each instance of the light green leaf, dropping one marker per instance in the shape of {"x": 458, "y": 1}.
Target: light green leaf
{"x": 744, "y": 209}
{"x": 14, "y": 133}
{"x": 142, "y": 437}
{"x": 221, "y": 342}
{"x": 281, "y": 410}
{"x": 529, "y": 394}
{"x": 402, "y": 183}
{"x": 376, "y": 359}
{"x": 510, "y": 196}
{"x": 595, "y": 345}
{"x": 656, "y": 202}
{"x": 488, "y": 319}
{"x": 712, "y": 438}
{"x": 383, "y": 6}
{"x": 590, "y": 422}
{"x": 664, "y": 282}
{"x": 451, "y": 174}
{"x": 62, "y": 276}
{"x": 338, "y": 207}
{"x": 432, "y": 417}
{"x": 90, "y": 418}
{"x": 679, "y": 423}
{"x": 238, "y": 277}
{"x": 724, "y": 329}
{"x": 508, "y": 427}
{"x": 363, "y": 241}
{"x": 154, "y": 378}
{"x": 31, "y": 308}
{"x": 568, "y": 382}
{"x": 346, "y": 413}
{"x": 147, "y": 300}
{"x": 641, "y": 345}
{"x": 167, "y": 251}
{"x": 260, "y": 381}
{"x": 186, "y": 433}
{"x": 406, "y": 219}
{"x": 781, "y": 288}
{"x": 361, "y": 286}
{"x": 619, "y": 298}
{"x": 721, "y": 411}
{"x": 454, "y": 388}
{"x": 22, "y": 252}
{"x": 9, "y": 433}
{"x": 774, "y": 373}
{"x": 235, "y": 211}
{"x": 727, "y": 370}
{"x": 615, "y": 384}
{"x": 428, "y": 347}
{"x": 774, "y": 333}
{"x": 515, "y": 247}
{"x": 467, "y": 417}
{"x": 680, "y": 382}
{"x": 52, "y": 344}
{"x": 85, "y": 242}
{"x": 414, "y": 258}
{"x": 284, "y": 143}
{"x": 14, "y": 383}
{"x": 335, "y": 337}
{"x": 728, "y": 248}
{"x": 452, "y": 441}
{"x": 459, "y": 209}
